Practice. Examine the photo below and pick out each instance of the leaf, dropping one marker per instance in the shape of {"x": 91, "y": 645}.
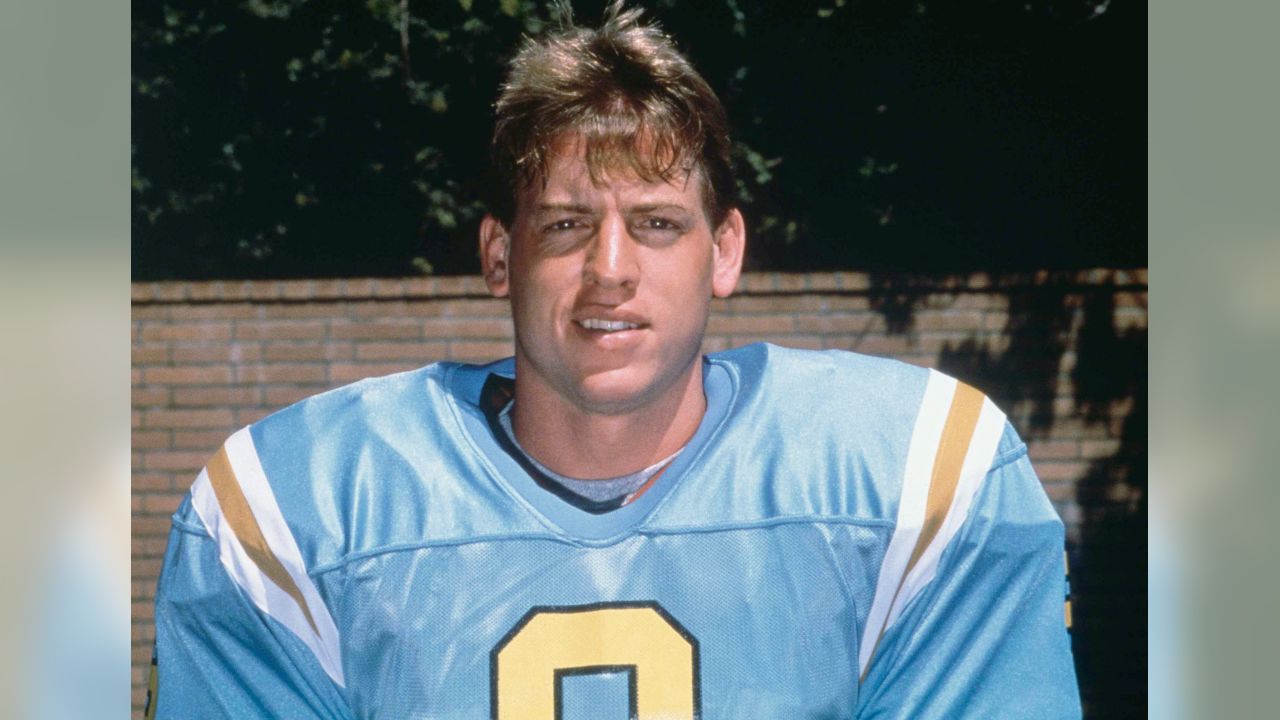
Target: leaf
{"x": 509, "y": 7}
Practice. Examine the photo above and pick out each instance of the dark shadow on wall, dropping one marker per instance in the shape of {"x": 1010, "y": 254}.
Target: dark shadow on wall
{"x": 1062, "y": 345}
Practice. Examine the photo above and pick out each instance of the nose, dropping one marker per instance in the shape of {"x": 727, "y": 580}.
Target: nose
{"x": 611, "y": 260}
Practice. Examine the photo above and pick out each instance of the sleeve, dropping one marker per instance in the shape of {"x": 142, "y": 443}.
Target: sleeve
{"x": 968, "y": 618}
{"x": 240, "y": 629}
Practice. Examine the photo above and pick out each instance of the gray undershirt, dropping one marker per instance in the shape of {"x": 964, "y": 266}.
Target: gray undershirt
{"x": 594, "y": 490}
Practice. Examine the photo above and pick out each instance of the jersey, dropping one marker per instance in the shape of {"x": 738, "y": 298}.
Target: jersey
{"x": 843, "y": 536}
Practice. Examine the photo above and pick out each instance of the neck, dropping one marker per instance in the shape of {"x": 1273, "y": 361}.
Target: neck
{"x": 580, "y": 443}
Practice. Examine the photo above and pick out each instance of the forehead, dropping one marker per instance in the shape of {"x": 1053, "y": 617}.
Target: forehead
{"x": 571, "y": 176}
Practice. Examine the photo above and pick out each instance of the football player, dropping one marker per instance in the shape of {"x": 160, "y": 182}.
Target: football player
{"x": 610, "y": 524}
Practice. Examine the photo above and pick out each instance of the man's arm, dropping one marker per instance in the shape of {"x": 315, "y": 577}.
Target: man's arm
{"x": 985, "y": 636}
{"x": 240, "y": 629}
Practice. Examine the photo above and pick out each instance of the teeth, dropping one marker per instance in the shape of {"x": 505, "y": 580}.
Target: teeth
{"x": 607, "y": 325}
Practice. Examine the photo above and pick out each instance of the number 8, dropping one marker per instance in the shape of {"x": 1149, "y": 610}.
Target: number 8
{"x": 550, "y": 642}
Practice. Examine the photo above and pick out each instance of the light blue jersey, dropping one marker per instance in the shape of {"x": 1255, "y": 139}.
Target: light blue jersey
{"x": 843, "y": 537}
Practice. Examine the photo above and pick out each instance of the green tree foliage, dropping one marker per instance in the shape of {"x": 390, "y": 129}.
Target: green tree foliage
{"x": 277, "y": 138}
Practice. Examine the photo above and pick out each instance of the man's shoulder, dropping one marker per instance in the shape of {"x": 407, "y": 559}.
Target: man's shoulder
{"x": 367, "y": 442}
{"x": 820, "y": 379}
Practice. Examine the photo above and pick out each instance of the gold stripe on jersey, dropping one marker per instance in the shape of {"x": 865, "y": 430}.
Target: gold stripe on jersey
{"x": 953, "y": 446}
{"x": 235, "y": 508}
{"x": 962, "y": 419}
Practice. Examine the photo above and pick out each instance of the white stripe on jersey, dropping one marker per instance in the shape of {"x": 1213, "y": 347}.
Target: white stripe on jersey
{"x": 977, "y": 422}
{"x": 312, "y": 624}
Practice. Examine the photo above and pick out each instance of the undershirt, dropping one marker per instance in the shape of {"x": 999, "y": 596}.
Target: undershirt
{"x": 605, "y": 491}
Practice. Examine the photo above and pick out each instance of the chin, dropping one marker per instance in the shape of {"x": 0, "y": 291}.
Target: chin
{"x": 616, "y": 391}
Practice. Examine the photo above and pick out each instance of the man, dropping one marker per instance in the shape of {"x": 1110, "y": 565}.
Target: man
{"x": 610, "y": 525}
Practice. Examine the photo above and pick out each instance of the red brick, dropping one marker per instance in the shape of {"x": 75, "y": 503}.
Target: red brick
{"x": 810, "y": 342}
{"x": 475, "y": 307}
{"x": 237, "y": 289}
{"x": 217, "y": 311}
{"x": 290, "y": 311}
{"x": 1060, "y": 492}
{"x": 420, "y": 287}
{"x": 149, "y": 312}
{"x": 479, "y": 351}
{"x": 1129, "y": 318}
{"x": 847, "y": 303}
{"x": 264, "y": 290}
{"x": 278, "y": 397}
{"x": 1096, "y": 449}
{"x": 171, "y": 291}
{"x": 216, "y": 396}
{"x": 791, "y": 282}
{"x": 149, "y": 397}
{"x": 276, "y": 352}
{"x": 135, "y": 376}
{"x": 141, "y": 654}
{"x": 841, "y": 324}
{"x": 1056, "y": 471}
{"x": 821, "y": 282}
{"x": 149, "y": 439}
{"x": 714, "y": 344}
{"x": 206, "y": 440}
{"x": 282, "y": 373}
{"x": 149, "y": 354}
{"x": 747, "y": 304}
{"x": 214, "y": 418}
{"x": 418, "y": 352}
{"x": 377, "y": 330}
{"x": 181, "y": 461}
{"x": 166, "y": 503}
{"x": 1053, "y": 450}
{"x": 249, "y": 416}
{"x": 948, "y": 320}
{"x": 236, "y": 352}
{"x": 151, "y": 546}
{"x": 853, "y": 281}
{"x": 380, "y": 309}
{"x": 149, "y": 482}
{"x": 753, "y": 324}
{"x": 204, "y": 290}
{"x": 388, "y": 288}
{"x": 883, "y": 345}
{"x": 357, "y": 288}
{"x": 199, "y": 375}
{"x": 756, "y": 283}
{"x": 472, "y": 328}
{"x": 342, "y": 373}
{"x": 212, "y": 330}
{"x": 149, "y": 525}
{"x": 855, "y": 324}
{"x": 280, "y": 330}
{"x": 297, "y": 289}
{"x": 142, "y": 292}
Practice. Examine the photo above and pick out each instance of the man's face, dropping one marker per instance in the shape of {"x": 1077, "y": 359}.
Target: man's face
{"x": 610, "y": 282}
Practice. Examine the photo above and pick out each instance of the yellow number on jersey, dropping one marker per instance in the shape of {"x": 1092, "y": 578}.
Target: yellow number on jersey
{"x": 552, "y": 642}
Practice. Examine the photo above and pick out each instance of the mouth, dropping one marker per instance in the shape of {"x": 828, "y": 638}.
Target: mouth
{"x": 608, "y": 326}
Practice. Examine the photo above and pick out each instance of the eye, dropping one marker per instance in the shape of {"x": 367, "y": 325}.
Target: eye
{"x": 562, "y": 225}
{"x": 656, "y": 222}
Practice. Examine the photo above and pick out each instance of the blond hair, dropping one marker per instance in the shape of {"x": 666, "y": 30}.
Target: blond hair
{"x": 632, "y": 98}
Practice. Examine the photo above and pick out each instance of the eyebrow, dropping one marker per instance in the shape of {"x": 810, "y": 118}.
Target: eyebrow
{"x": 657, "y": 207}
{"x": 562, "y": 207}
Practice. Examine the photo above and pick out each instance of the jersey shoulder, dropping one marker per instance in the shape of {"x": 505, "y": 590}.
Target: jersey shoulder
{"x": 841, "y": 433}
{"x": 346, "y": 471}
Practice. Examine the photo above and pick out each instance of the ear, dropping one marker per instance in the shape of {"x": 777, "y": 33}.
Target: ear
{"x": 730, "y": 245}
{"x": 495, "y": 248}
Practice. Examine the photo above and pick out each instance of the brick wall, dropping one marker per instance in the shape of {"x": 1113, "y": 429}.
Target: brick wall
{"x": 1063, "y": 353}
